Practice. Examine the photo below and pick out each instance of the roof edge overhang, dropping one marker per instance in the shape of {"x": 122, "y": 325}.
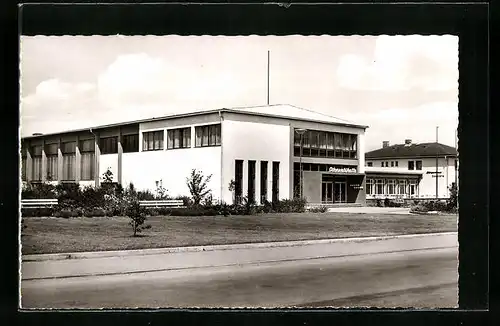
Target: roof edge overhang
{"x": 408, "y": 157}
{"x": 344, "y": 124}
{"x": 189, "y": 114}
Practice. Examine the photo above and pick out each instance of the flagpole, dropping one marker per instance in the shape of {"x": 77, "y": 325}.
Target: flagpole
{"x": 268, "y": 62}
{"x": 437, "y": 179}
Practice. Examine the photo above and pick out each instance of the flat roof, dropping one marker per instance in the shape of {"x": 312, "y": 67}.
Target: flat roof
{"x": 307, "y": 115}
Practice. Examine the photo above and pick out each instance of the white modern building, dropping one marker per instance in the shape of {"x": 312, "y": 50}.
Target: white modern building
{"x": 410, "y": 170}
{"x": 259, "y": 148}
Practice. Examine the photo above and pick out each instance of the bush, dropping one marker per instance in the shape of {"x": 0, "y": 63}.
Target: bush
{"x": 318, "y": 209}
{"x": 198, "y": 186}
{"x": 379, "y": 203}
{"x": 419, "y": 209}
{"x": 145, "y": 195}
{"x": 68, "y": 191}
{"x": 66, "y": 213}
{"x": 296, "y": 205}
{"x": 452, "y": 202}
{"x": 37, "y": 212}
{"x": 194, "y": 211}
{"x": 38, "y": 191}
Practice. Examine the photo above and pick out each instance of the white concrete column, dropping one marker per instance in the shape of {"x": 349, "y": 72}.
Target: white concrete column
{"x": 44, "y": 162}
{"x": 97, "y": 154}
{"x": 78, "y": 160}
{"x": 59, "y": 161}
{"x": 269, "y": 181}
{"x": 120, "y": 155}
{"x": 360, "y": 152}
{"x": 245, "y": 179}
{"x": 193, "y": 136}
{"x": 257, "y": 182}
{"x": 29, "y": 163}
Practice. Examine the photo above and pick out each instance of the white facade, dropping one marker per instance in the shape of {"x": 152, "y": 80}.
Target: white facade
{"x": 259, "y": 134}
{"x": 427, "y": 184}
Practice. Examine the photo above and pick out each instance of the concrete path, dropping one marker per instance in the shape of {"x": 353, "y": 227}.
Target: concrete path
{"x": 371, "y": 210}
{"x": 218, "y": 256}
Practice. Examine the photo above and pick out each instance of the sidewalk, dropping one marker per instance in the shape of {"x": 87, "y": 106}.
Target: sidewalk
{"x": 105, "y": 263}
{"x": 371, "y": 210}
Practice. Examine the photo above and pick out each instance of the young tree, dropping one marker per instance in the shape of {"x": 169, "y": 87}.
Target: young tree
{"x": 198, "y": 186}
{"x": 232, "y": 188}
{"x": 137, "y": 216}
{"x": 107, "y": 177}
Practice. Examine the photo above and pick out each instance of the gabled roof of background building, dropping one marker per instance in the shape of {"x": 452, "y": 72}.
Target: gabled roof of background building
{"x": 413, "y": 150}
{"x": 284, "y": 111}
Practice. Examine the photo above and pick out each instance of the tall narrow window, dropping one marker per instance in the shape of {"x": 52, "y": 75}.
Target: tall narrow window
{"x": 23, "y": 163}
{"x": 276, "y": 181}
{"x": 36, "y": 154}
{"x": 238, "y": 180}
{"x": 369, "y": 186}
{"x": 402, "y": 187}
{"x": 68, "y": 150}
{"x": 379, "y": 187}
{"x": 130, "y": 143}
{"x": 179, "y": 138}
{"x": 87, "y": 166}
{"x": 51, "y": 151}
{"x": 152, "y": 141}
{"x": 251, "y": 181}
{"x": 263, "y": 181}
{"x": 109, "y": 145}
{"x": 391, "y": 187}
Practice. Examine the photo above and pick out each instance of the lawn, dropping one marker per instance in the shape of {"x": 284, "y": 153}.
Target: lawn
{"x": 56, "y": 235}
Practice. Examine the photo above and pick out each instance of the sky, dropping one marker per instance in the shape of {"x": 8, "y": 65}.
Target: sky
{"x": 402, "y": 87}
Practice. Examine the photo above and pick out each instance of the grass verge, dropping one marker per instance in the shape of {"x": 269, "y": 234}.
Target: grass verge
{"x": 56, "y": 235}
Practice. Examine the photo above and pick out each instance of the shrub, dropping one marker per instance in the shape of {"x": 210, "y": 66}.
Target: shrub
{"x": 186, "y": 200}
{"x": 66, "y": 213}
{"x": 296, "y": 205}
{"x": 452, "y": 202}
{"x": 145, "y": 195}
{"x": 379, "y": 203}
{"x": 318, "y": 209}
{"x": 37, "y": 212}
{"x": 68, "y": 191}
{"x": 38, "y": 191}
{"x": 152, "y": 211}
{"x": 387, "y": 202}
{"x": 420, "y": 208}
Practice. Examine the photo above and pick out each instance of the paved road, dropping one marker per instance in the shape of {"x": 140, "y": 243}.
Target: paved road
{"x": 421, "y": 278}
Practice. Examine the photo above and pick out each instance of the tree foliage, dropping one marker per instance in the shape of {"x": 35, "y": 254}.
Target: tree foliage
{"x": 198, "y": 186}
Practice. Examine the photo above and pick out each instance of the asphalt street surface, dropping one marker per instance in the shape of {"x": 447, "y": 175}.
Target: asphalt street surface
{"x": 421, "y": 279}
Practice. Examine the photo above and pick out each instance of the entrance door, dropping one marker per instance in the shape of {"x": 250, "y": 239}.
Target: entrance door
{"x": 327, "y": 192}
{"x": 340, "y": 192}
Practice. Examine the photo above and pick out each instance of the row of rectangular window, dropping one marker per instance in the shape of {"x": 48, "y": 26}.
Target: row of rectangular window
{"x": 51, "y": 173}
{"x": 391, "y": 187}
{"x": 412, "y": 165}
{"x": 209, "y": 135}
{"x": 325, "y": 144}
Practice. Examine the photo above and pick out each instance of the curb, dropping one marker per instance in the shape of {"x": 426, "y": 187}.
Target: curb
{"x": 159, "y": 251}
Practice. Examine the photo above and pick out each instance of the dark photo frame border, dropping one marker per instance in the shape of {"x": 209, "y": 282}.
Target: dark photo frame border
{"x": 469, "y": 21}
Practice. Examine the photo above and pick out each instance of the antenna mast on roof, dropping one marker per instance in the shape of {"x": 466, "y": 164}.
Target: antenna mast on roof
{"x": 268, "y": 60}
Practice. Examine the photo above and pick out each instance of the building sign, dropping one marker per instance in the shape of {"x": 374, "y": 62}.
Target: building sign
{"x": 342, "y": 170}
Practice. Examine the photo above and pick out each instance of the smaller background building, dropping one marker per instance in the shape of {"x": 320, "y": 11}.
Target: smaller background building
{"x": 410, "y": 170}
